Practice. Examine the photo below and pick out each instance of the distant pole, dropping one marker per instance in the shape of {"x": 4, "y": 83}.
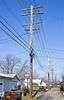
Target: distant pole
{"x": 52, "y": 77}
{"x": 31, "y": 53}
{"x": 48, "y": 70}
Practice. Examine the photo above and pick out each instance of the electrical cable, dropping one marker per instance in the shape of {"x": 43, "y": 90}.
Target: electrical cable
{"x": 14, "y": 29}
{"x": 14, "y": 39}
{"x": 53, "y": 16}
{"x": 11, "y": 12}
{"x": 14, "y": 34}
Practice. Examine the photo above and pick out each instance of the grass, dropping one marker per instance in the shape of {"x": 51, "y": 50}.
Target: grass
{"x": 21, "y": 90}
{"x": 34, "y": 91}
{"x": 27, "y": 98}
{"x": 62, "y": 92}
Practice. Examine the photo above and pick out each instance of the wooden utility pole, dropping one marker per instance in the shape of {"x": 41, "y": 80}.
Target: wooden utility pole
{"x": 55, "y": 80}
{"x": 31, "y": 53}
{"x": 31, "y": 36}
{"x": 52, "y": 78}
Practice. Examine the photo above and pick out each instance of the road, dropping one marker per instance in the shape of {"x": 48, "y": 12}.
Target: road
{"x": 53, "y": 94}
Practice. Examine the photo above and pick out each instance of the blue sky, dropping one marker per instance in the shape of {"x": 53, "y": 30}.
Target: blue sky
{"x": 50, "y": 41}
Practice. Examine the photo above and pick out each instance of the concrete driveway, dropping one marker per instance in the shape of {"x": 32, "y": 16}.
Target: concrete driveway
{"x": 53, "y": 94}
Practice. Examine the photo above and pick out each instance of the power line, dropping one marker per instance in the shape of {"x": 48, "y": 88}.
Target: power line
{"x": 42, "y": 29}
{"x": 53, "y": 57}
{"x": 39, "y": 66}
{"x": 14, "y": 39}
{"x": 11, "y": 12}
{"x": 38, "y": 37}
{"x": 53, "y": 16}
{"x": 14, "y": 35}
{"x": 43, "y": 32}
{"x": 14, "y": 29}
{"x": 35, "y": 2}
{"x": 20, "y": 3}
{"x": 39, "y": 61}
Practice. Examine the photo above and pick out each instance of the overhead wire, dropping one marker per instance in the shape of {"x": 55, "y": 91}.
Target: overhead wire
{"x": 14, "y": 39}
{"x": 40, "y": 65}
{"x": 14, "y": 30}
{"x": 15, "y": 16}
{"x": 40, "y": 43}
{"x": 43, "y": 32}
{"x": 36, "y": 31}
{"x": 54, "y": 16}
{"x": 40, "y": 31}
{"x": 14, "y": 34}
{"x": 39, "y": 62}
{"x": 42, "y": 27}
{"x": 21, "y": 4}
{"x": 53, "y": 57}
{"x": 38, "y": 38}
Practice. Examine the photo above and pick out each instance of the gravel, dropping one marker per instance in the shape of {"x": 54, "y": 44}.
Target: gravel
{"x": 53, "y": 94}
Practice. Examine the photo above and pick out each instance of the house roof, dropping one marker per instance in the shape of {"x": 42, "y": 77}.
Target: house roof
{"x": 7, "y": 75}
{"x": 35, "y": 81}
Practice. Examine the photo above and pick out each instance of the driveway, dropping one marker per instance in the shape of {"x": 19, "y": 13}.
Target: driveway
{"x": 53, "y": 94}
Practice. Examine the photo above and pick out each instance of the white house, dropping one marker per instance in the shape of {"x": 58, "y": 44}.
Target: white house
{"x": 38, "y": 82}
{"x": 8, "y": 82}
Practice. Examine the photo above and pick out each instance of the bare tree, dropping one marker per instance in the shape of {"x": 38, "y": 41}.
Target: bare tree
{"x": 10, "y": 62}
{"x": 24, "y": 69}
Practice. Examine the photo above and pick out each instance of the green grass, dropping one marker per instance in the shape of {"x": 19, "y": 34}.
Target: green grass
{"x": 62, "y": 91}
{"x": 21, "y": 90}
{"x": 34, "y": 91}
{"x": 27, "y": 98}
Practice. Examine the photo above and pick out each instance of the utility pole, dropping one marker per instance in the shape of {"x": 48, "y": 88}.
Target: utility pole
{"x": 52, "y": 78}
{"x": 31, "y": 40}
{"x": 31, "y": 53}
{"x": 48, "y": 70}
{"x": 55, "y": 80}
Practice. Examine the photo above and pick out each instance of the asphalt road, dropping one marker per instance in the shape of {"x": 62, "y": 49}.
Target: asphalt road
{"x": 53, "y": 94}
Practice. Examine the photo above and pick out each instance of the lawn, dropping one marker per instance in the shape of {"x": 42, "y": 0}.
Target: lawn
{"x": 20, "y": 90}
{"x": 34, "y": 91}
{"x": 28, "y": 98}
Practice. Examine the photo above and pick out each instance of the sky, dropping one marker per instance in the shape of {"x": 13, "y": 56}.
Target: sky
{"x": 49, "y": 39}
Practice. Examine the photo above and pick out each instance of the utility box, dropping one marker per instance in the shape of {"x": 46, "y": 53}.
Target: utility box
{"x": 12, "y": 96}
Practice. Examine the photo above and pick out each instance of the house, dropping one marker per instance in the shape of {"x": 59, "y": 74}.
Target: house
{"x": 8, "y": 82}
{"x": 43, "y": 84}
{"x": 36, "y": 83}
